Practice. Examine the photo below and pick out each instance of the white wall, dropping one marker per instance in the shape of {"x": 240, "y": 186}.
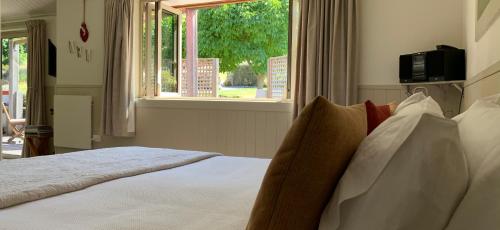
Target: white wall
{"x": 485, "y": 52}
{"x": 72, "y": 70}
{"x": 233, "y": 128}
{"x": 389, "y": 28}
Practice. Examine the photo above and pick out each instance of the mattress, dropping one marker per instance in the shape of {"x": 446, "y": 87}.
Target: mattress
{"x": 217, "y": 193}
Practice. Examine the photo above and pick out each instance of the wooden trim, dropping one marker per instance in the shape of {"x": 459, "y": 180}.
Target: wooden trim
{"x": 157, "y": 51}
{"x": 70, "y": 86}
{"x": 209, "y": 4}
{"x": 290, "y": 49}
{"x": 14, "y": 34}
{"x": 382, "y": 87}
{"x": 167, "y": 7}
{"x": 216, "y": 104}
{"x": 488, "y": 72}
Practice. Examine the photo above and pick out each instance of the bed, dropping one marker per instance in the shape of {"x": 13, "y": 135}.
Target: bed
{"x": 140, "y": 188}
{"x": 209, "y": 192}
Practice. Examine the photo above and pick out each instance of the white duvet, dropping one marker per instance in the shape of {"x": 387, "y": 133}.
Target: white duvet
{"x": 216, "y": 193}
{"x": 32, "y": 179}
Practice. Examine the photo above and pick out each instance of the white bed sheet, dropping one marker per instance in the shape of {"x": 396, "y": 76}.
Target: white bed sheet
{"x": 216, "y": 193}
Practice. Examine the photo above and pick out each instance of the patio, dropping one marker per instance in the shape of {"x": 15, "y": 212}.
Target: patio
{"x": 11, "y": 150}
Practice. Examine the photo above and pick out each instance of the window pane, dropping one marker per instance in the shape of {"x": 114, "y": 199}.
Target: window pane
{"x": 169, "y": 46}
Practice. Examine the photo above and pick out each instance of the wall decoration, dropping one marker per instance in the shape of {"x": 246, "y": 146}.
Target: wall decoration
{"x": 80, "y": 51}
{"x": 486, "y": 14}
{"x": 84, "y": 32}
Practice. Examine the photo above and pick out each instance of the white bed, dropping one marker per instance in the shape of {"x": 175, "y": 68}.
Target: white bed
{"x": 216, "y": 193}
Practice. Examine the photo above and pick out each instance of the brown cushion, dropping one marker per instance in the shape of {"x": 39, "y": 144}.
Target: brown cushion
{"x": 302, "y": 176}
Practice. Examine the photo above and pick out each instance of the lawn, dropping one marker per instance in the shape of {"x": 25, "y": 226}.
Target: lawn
{"x": 236, "y": 92}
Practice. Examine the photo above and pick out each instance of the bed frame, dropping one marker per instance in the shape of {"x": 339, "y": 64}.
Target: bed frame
{"x": 482, "y": 85}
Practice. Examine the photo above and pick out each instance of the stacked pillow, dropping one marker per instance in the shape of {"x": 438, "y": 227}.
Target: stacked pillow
{"x": 377, "y": 114}
{"x": 480, "y": 134}
{"x": 308, "y": 165}
{"x": 410, "y": 173}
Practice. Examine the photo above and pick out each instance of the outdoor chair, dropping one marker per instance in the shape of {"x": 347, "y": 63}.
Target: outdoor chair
{"x": 17, "y": 125}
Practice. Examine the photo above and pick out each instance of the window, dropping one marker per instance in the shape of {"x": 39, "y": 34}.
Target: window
{"x": 228, "y": 50}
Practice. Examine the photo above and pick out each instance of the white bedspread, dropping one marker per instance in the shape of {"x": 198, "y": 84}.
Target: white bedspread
{"x": 27, "y": 180}
{"x": 217, "y": 193}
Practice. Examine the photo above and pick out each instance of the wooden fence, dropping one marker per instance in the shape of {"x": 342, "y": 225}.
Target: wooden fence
{"x": 277, "y": 77}
{"x": 207, "y": 77}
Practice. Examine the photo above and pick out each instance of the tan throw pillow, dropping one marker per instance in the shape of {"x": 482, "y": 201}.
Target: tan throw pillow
{"x": 302, "y": 176}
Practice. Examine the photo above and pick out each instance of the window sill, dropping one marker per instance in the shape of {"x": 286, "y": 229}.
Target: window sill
{"x": 258, "y": 105}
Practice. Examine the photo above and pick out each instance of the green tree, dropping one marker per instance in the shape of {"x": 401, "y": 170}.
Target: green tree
{"x": 5, "y": 52}
{"x": 23, "y": 57}
{"x": 249, "y": 32}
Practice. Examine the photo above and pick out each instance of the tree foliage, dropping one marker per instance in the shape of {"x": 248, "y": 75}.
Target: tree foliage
{"x": 249, "y": 32}
{"x": 23, "y": 58}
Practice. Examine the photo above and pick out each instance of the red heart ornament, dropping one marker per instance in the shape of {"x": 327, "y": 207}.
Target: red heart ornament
{"x": 84, "y": 32}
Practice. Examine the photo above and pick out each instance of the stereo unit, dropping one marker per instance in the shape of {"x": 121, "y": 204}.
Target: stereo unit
{"x": 444, "y": 64}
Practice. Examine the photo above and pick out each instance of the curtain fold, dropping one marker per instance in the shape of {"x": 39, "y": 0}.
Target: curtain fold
{"x": 37, "y": 70}
{"x": 327, "y": 52}
{"x": 118, "y": 112}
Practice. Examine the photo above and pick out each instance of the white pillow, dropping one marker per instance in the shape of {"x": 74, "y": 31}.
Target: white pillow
{"x": 479, "y": 129}
{"x": 492, "y": 99}
{"x": 410, "y": 173}
{"x": 480, "y": 133}
{"x": 419, "y": 103}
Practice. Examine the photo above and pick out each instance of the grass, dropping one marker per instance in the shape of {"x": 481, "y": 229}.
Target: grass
{"x": 237, "y": 92}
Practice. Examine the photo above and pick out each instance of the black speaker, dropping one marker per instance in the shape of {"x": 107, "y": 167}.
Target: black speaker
{"x": 446, "y": 65}
{"x": 435, "y": 65}
{"x": 406, "y": 68}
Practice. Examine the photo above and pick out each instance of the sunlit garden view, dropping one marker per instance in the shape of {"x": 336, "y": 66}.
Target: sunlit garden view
{"x": 243, "y": 37}
{"x": 20, "y": 44}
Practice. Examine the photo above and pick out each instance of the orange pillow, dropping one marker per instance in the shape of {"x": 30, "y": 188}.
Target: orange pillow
{"x": 377, "y": 114}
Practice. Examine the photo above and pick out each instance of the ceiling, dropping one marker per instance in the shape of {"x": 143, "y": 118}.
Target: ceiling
{"x": 19, "y": 9}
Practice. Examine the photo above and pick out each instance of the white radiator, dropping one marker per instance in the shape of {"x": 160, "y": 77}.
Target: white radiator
{"x": 73, "y": 121}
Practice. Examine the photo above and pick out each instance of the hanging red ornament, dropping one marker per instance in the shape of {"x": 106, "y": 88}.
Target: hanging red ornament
{"x": 84, "y": 31}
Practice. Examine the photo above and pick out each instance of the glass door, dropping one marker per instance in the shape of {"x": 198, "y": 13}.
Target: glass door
{"x": 14, "y": 61}
{"x": 15, "y": 75}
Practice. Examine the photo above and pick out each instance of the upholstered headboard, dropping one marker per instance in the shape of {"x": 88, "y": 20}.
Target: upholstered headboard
{"x": 485, "y": 84}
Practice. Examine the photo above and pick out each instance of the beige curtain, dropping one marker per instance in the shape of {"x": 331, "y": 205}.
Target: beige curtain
{"x": 37, "y": 70}
{"x": 327, "y": 52}
{"x": 118, "y": 113}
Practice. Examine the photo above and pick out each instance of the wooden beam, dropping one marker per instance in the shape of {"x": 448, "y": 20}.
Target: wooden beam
{"x": 207, "y": 4}
{"x": 192, "y": 52}
{"x": 158, "y": 42}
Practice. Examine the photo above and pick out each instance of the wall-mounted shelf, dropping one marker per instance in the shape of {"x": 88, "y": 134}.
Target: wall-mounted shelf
{"x": 459, "y": 85}
{"x": 434, "y": 83}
